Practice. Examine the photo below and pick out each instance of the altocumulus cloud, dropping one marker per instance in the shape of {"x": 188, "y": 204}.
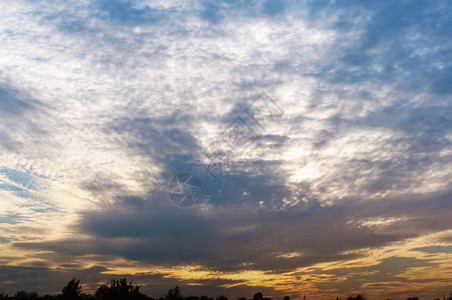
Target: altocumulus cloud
{"x": 347, "y": 190}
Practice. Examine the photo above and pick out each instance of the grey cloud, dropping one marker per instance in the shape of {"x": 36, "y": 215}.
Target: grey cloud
{"x": 17, "y": 127}
{"x": 46, "y": 281}
{"x": 11, "y": 103}
{"x": 389, "y": 269}
{"x": 225, "y": 239}
{"x": 152, "y": 137}
{"x": 167, "y": 141}
{"x": 391, "y": 29}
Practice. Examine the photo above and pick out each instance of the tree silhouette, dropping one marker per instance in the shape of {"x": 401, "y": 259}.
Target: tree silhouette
{"x": 102, "y": 292}
{"x": 174, "y": 294}
{"x": 258, "y": 296}
{"x": 358, "y": 297}
{"x": 22, "y": 295}
{"x": 72, "y": 290}
{"x": 118, "y": 290}
{"x": 123, "y": 290}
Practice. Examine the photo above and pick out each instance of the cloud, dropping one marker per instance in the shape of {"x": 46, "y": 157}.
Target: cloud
{"x": 103, "y": 103}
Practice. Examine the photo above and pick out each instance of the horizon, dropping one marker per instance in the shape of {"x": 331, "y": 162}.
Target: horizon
{"x": 169, "y": 296}
{"x": 227, "y": 147}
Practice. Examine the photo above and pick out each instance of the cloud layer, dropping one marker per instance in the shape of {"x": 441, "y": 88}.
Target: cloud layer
{"x": 321, "y": 132}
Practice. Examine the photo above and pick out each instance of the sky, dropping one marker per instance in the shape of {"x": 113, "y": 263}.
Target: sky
{"x": 317, "y": 135}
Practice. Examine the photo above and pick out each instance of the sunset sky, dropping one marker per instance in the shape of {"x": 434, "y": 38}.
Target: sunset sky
{"x": 326, "y": 127}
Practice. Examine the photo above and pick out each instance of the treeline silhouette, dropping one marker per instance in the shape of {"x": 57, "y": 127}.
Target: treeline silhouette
{"x": 121, "y": 289}
{"x": 117, "y": 290}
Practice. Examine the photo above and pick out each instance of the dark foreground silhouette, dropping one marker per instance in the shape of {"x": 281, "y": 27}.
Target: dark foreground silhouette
{"x": 121, "y": 289}
{"x": 117, "y": 290}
